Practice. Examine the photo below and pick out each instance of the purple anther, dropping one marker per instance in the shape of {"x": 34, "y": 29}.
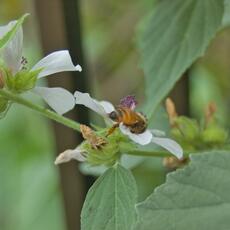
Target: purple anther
{"x": 24, "y": 61}
{"x": 129, "y": 101}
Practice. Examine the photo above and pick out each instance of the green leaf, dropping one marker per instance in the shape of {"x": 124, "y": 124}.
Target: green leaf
{"x": 194, "y": 198}
{"x": 176, "y": 35}
{"x": 12, "y": 31}
{"x": 226, "y": 17}
{"x": 110, "y": 202}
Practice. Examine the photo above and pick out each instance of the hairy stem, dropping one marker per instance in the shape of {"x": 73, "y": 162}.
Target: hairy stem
{"x": 149, "y": 153}
{"x": 139, "y": 152}
{"x": 45, "y": 112}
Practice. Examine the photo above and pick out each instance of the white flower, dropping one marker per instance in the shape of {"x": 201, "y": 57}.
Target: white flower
{"x": 6, "y": 28}
{"x": 103, "y": 108}
{"x": 68, "y": 155}
{"x": 58, "y": 99}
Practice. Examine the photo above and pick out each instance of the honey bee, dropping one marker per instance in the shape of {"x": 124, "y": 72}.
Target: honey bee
{"x": 135, "y": 121}
{"x": 88, "y": 134}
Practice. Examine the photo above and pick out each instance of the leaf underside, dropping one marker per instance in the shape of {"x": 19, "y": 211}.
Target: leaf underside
{"x": 194, "y": 198}
{"x": 176, "y": 35}
{"x": 110, "y": 202}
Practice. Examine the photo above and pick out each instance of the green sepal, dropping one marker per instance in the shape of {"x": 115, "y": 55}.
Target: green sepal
{"x": 186, "y": 128}
{"x": 105, "y": 155}
{"x": 193, "y": 136}
{"x": 22, "y": 81}
{"x": 214, "y": 135}
{"x": 109, "y": 153}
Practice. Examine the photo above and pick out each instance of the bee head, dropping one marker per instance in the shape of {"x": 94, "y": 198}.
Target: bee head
{"x": 114, "y": 115}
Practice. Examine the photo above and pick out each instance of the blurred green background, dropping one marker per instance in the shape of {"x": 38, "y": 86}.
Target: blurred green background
{"x": 30, "y": 196}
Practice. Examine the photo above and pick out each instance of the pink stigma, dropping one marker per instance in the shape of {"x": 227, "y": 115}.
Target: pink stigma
{"x": 129, "y": 102}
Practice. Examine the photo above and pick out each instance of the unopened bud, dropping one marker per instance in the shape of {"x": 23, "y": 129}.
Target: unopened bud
{"x": 171, "y": 110}
{"x": 173, "y": 163}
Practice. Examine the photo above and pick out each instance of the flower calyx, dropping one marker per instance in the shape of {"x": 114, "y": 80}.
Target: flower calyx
{"x": 194, "y": 135}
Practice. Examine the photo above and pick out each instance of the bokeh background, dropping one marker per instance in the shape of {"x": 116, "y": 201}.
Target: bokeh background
{"x": 101, "y": 35}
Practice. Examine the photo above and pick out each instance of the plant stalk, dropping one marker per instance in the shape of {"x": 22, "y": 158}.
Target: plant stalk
{"x": 45, "y": 112}
{"x": 148, "y": 153}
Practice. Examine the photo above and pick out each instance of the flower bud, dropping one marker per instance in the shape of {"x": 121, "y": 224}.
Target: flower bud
{"x": 171, "y": 110}
{"x": 188, "y": 129}
{"x": 214, "y": 135}
{"x": 210, "y": 112}
{"x": 172, "y": 163}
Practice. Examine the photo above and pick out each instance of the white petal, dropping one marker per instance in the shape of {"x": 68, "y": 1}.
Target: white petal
{"x": 58, "y": 99}
{"x": 70, "y": 154}
{"x": 172, "y": 146}
{"x": 89, "y": 102}
{"x": 12, "y": 53}
{"x": 108, "y": 107}
{"x": 142, "y": 139}
{"x": 56, "y": 62}
{"x": 6, "y": 28}
{"x": 157, "y": 132}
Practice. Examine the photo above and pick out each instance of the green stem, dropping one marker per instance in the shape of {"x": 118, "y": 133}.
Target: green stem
{"x": 149, "y": 153}
{"x": 138, "y": 152}
{"x": 46, "y": 112}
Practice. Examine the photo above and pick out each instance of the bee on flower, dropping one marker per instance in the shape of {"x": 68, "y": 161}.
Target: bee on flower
{"x": 130, "y": 124}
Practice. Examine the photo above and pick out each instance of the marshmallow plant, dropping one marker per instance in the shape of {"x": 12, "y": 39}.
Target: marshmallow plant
{"x": 122, "y": 136}
{"x": 175, "y": 38}
{"x": 99, "y": 147}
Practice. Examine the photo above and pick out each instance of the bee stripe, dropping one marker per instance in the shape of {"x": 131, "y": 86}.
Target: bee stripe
{"x": 126, "y": 116}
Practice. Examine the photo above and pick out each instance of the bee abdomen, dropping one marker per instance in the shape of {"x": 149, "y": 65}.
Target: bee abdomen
{"x": 123, "y": 115}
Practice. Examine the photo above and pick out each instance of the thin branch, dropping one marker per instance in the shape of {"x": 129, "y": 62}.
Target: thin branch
{"x": 45, "y": 112}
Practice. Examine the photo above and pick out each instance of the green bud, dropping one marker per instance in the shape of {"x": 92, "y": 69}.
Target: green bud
{"x": 186, "y": 129}
{"x": 214, "y": 135}
{"x": 22, "y": 81}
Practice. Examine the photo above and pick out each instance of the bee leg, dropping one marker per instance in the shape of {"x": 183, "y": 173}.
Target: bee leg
{"x": 112, "y": 129}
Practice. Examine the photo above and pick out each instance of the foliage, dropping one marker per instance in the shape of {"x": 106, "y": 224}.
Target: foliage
{"x": 29, "y": 193}
{"x": 194, "y": 198}
{"x": 110, "y": 202}
{"x": 176, "y": 35}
